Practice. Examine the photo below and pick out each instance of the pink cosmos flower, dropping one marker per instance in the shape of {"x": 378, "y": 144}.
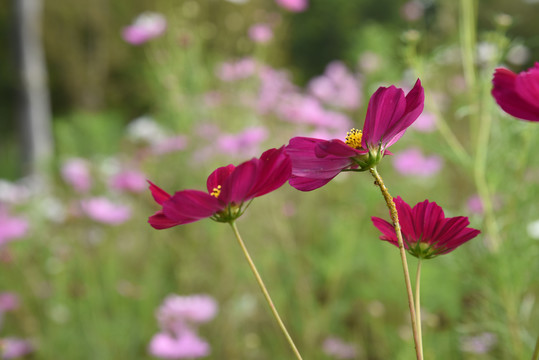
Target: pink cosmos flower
{"x": 518, "y": 94}
{"x": 76, "y": 172}
{"x": 244, "y": 142}
{"x": 147, "y": 26}
{"x": 425, "y": 123}
{"x": 178, "y": 312}
{"x": 337, "y": 87}
{"x": 260, "y": 33}
{"x": 169, "y": 144}
{"x": 425, "y": 229}
{"x": 230, "y": 188}
{"x": 8, "y": 301}
{"x": 293, "y": 5}
{"x": 13, "y": 348}
{"x": 129, "y": 180}
{"x": 315, "y": 161}
{"x": 105, "y": 211}
{"x": 412, "y": 162}
{"x": 186, "y": 345}
{"x": 11, "y": 227}
{"x": 238, "y": 70}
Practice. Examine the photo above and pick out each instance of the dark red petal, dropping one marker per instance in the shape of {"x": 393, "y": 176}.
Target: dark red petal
{"x": 307, "y": 184}
{"x": 218, "y": 177}
{"x": 388, "y": 231}
{"x": 336, "y": 148}
{"x": 406, "y": 220}
{"x": 239, "y": 184}
{"x": 508, "y": 99}
{"x": 159, "y": 221}
{"x": 274, "y": 169}
{"x": 527, "y": 86}
{"x": 190, "y": 205}
{"x": 158, "y": 194}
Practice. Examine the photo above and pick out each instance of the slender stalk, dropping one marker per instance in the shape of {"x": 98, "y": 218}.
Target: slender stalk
{"x": 535, "y": 355}
{"x": 265, "y": 291}
{"x": 395, "y": 218}
{"x": 418, "y": 304}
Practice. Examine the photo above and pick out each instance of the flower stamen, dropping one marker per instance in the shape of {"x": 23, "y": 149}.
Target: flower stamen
{"x": 353, "y": 138}
{"x": 216, "y": 191}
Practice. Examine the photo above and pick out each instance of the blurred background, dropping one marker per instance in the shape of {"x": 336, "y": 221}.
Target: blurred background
{"x": 96, "y": 97}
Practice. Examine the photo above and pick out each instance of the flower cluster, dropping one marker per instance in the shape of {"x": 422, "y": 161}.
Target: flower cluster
{"x": 178, "y": 317}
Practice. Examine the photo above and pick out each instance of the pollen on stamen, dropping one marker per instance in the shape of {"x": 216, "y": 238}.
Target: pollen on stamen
{"x": 216, "y": 191}
{"x": 353, "y": 138}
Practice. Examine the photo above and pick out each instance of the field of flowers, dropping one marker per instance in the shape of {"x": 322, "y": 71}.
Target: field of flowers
{"x": 109, "y": 251}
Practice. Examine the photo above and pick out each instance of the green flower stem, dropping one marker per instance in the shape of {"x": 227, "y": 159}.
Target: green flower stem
{"x": 535, "y": 355}
{"x": 265, "y": 291}
{"x": 417, "y": 304}
{"x": 395, "y": 218}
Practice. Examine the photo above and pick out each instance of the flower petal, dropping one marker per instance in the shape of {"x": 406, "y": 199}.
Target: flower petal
{"x": 218, "y": 177}
{"x": 337, "y": 148}
{"x": 505, "y": 94}
{"x": 274, "y": 169}
{"x": 187, "y": 206}
{"x": 307, "y": 184}
{"x": 159, "y": 221}
{"x": 158, "y": 194}
{"x": 240, "y": 183}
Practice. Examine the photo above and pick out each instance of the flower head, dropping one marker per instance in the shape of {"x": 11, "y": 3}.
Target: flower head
{"x": 518, "y": 94}
{"x": 425, "y": 229}
{"x": 11, "y": 227}
{"x": 179, "y": 312}
{"x": 315, "y": 161}
{"x": 186, "y": 345}
{"x": 105, "y": 211}
{"x": 230, "y": 188}
{"x": 293, "y": 5}
{"x": 147, "y": 26}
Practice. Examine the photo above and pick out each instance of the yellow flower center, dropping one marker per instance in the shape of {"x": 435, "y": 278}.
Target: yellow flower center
{"x": 353, "y": 138}
{"x": 216, "y": 191}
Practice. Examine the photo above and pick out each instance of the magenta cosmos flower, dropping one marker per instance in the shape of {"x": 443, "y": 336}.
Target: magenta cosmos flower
{"x": 425, "y": 229}
{"x": 389, "y": 113}
{"x": 518, "y": 94}
{"x": 230, "y": 189}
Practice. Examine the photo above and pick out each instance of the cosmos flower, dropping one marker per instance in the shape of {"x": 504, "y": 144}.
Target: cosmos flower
{"x": 186, "y": 345}
{"x": 11, "y": 227}
{"x": 178, "y": 312}
{"x": 518, "y": 94}
{"x": 105, "y": 211}
{"x": 425, "y": 229}
{"x": 260, "y": 33}
{"x": 412, "y": 162}
{"x": 315, "y": 161}
{"x": 76, "y": 172}
{"x": 230, "y": 189}
{"x": 147, "y": 26}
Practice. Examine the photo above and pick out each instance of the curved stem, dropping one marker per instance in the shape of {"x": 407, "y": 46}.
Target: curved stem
{"x": 265, "y": 291}
{"x": 396, "y": 225}
{"x": 418, "y": 304}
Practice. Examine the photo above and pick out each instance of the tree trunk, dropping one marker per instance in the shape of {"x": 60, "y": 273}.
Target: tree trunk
{"x": 34, "y": 102}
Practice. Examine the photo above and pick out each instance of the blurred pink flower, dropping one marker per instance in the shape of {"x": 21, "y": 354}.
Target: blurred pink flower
{"x": 274, "y": 86}
{"x": 8, "y": 301}
{"x": 146, "y": 26}
{"x": 244, "y": 143}
{"x": 337, "y": 87}
{"x": 475, "y": 205}
{"x": 177, "y": 312}
{"x": 169, "y": 144}
{"x": 129, "y": 180}
{"x": 105, "y": 211}
{"x": 339, "y": 349}
{"x": 260, "y": 33}
{"x": 425, "y": 123}
{"x": 412, "y": 162}
{"x": 11, "y": 227}
{"x": 76, "y": 172}
{"x": 479, "y": 344}
{"x": 172, "y": 346}
{"x": 14, "y": 347}
{"x": 233, "y": 71}
{"x": 293, "y": 5}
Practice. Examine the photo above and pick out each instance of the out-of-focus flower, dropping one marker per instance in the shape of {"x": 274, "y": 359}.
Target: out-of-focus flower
{"x": 261, "y": 33}
{"x": 146, "y": 26}
{"x": 518, "y": 94}
{"x": 518, "y": 54}
{"x": 480, "y": 344}
{"x": 475, "y": 205}
{"x": 234, "y": 71}
{"x": 370, "y": 62}
{"x": 293, "y": 5}
{"x": 146, "y": 130}
{"x": 412, "y": 10}
{"x": 76, "y": 172}
{"x": 337, "y": 87}
{"x": 425, "y": 123}
{"x": 426, "y": 231}
{"x": 412, "y": 162}
{"x": 178, "y": 312}
{"x": 169, "y": 144}
{"x": 11, "y": 227}
{"x": 339, "y": 349}
{"x": 274, "y": 86}
{"x": 8, "y": 301}
{"x": 315, "y": 161}
{"x": 12, "y": 348}
{"x": 229, "y": 189}
{"x": 129, "y": 180}
{"x": 244, "y": 143}
{"x": 105, "y": 211}
{"x": 186, "y": 345}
